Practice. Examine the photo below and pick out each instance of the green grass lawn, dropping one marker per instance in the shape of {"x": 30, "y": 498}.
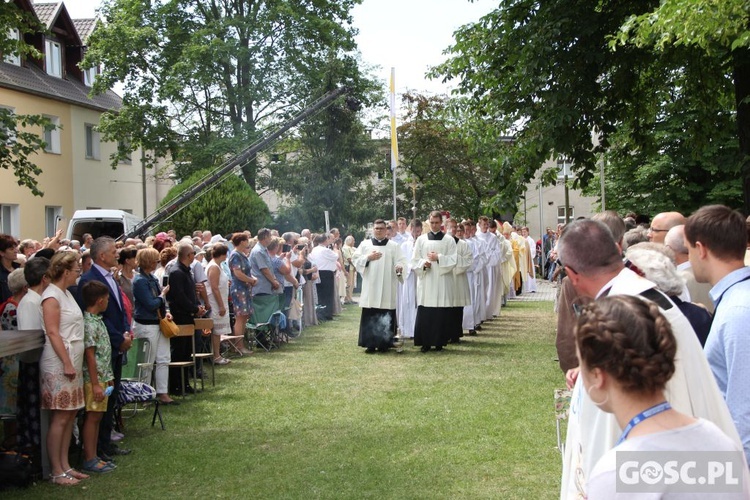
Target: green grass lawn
{"x": 318, "y": 418}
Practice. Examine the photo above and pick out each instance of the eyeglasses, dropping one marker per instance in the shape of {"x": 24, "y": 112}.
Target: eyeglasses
{"x": 560, "y": 263}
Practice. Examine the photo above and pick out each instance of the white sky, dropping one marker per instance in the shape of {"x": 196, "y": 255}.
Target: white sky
{"x": 409, "y": 35}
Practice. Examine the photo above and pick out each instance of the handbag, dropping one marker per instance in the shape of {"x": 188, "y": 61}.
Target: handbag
{"x": 168, "y": 327}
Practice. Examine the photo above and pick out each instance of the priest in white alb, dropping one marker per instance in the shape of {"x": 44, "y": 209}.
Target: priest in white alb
{"x": 381, "y": 265}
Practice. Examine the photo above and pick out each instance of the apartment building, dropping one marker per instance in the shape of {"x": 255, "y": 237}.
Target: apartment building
{"x": 76, "y": 167}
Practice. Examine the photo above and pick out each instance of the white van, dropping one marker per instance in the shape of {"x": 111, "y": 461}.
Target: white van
{"x": 114, "y": 223}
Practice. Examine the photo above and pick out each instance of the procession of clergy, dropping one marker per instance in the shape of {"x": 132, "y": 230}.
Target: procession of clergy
{"x": 435, "y": 282}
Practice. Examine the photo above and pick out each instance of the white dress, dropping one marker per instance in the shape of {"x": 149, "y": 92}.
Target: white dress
{"x": 221, "y": 323}
{"x": 58, "y": 391}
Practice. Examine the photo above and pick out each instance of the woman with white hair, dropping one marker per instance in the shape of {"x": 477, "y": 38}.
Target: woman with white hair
{"x": 9, "y": 365}
{"x": 653, "y": 262}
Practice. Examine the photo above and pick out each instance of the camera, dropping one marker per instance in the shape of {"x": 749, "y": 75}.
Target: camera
{"x": 286, "y": 248}
{"x": 165, "y": 280}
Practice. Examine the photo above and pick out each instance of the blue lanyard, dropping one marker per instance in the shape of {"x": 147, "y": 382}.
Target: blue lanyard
{"x": 645, "y": 414}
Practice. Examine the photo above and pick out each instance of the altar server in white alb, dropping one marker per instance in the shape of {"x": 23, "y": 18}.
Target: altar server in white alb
{"x": 381, "y": 264}
{"x": 407, "y": 290}
{"x": 478, "y": 261}
{"x": 434, "y": 259}
{"x": 479, "y": 285}
{"x": 461, "y": 289}
{"x": 492, "y": 279}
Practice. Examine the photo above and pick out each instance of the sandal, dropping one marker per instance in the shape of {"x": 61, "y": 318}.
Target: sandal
{"x": 98, "y": 466}
{"x": 63, "y": 479}
{"x": 76, "y": 474}
{"x": 221, "y": 361}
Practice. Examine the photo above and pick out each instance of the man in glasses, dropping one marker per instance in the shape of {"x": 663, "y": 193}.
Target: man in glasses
{"x": 593, "y": 263}
{"x": 662, "y": 223}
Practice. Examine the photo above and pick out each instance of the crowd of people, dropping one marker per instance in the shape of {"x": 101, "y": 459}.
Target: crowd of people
{"x": 633, "y": 321}
{"x": 93, "y": 299}
{"x": 655, "y": 326}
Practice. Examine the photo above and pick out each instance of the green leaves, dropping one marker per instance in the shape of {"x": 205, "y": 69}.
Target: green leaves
{"x": 19, "y": 143}
{"x": 230, "y": 206}
{"x": 559, "y": 77}
{"x": 206, "y": 78}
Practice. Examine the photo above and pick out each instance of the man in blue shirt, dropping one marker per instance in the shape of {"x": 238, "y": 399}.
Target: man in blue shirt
{"x": 716, "y": 238}
{"x": 265, "y": 303}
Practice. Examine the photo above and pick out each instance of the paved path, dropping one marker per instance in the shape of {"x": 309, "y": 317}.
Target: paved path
{"x": 546, "y": 291}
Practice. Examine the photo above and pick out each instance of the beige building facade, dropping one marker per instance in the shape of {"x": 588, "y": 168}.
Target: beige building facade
{"x": 76, "y": 166}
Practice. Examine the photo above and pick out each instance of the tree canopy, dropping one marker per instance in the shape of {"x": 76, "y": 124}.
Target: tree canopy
{"x": 202, "y": 78}
{"x": 545, "y": 73}
{"x": 327, "y": 164}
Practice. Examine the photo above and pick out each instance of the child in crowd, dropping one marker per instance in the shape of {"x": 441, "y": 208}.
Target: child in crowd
{"x": 97, "y": 375}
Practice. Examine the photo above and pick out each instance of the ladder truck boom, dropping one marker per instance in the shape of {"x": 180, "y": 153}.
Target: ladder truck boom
{"x": 216, "y": 176}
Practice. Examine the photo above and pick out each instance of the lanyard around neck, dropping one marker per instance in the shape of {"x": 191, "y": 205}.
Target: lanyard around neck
{"x": 645, "y": 414}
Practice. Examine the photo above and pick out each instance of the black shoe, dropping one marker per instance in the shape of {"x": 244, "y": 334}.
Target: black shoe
{"x": 439, "y": 348}
{"x": 116, "y": 450}
{"x": 478, "y": 328}
{"x": 370, "y": 350}
{"x": 189, "y": 390}
{"x": 472, "y": 332}
{"x": 425, "y": 348}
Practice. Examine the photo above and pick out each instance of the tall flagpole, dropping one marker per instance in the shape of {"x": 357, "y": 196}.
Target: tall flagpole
{"x": 394, "y": 138}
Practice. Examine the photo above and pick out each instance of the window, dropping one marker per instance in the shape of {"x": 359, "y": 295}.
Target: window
{"x": 563, "y": 167}
{"x": 13, "y": 58}
{"x": 561, "y": 214}
{"x": 125, "y": 145}
{"x": 53, "y": 58}
{"x": 51, "y": 216}
{"x": 89, "y": 75}
{"x": 7, "y": 135}
{"x": 9, "y": 220}
{"x": 52, "y": 135}
{"x": 92, "y": 142}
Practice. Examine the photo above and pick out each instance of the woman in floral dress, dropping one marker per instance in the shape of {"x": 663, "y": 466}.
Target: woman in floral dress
{"x": 61, "y": 364}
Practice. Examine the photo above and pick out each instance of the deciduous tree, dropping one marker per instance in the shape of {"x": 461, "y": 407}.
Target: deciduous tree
{"x": 544, "y": 72}
{"x": 203, "y": 78}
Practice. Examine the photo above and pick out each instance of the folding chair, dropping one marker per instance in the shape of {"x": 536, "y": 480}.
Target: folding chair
{"x": 205, "y": 324}
{"x": 133, "y": 389}
{"x": 562, "y": 410}
{"x": 229, "y": 346}
{"x": 268, "y": 335}
{"x": 186, "y": 331}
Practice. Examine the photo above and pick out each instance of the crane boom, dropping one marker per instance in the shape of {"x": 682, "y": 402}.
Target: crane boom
{"x": 214, "y": 177}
